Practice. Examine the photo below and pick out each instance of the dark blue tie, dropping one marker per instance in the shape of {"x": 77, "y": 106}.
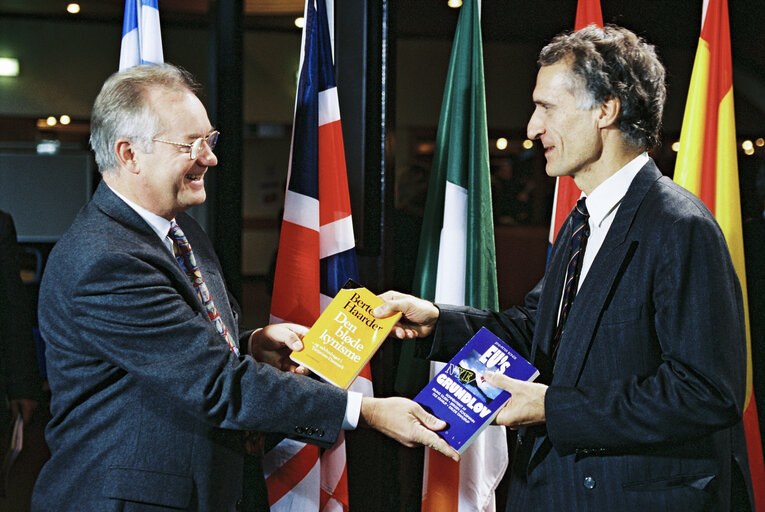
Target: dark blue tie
{"x": 576, "y": 245}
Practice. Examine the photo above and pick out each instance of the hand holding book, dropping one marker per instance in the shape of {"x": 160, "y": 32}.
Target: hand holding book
{"x": 406, "y": 422}
{"x": 525, "y": 407}
{"x": 274, "y": 343}
{"x": 418, "y": 316}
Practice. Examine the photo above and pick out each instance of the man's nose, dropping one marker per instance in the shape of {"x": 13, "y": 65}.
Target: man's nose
{"x": 535, "y": 128}
{"x": 207, "y": 157}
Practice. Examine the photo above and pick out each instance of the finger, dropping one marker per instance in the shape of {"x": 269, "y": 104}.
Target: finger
{"x": 387, "y": 309}
{"x": 300, "y": 330}
{"x": 301, "y": 370}
{"x": 428, "y": 420}
{"x": 499, "y": 380}
{"x": 390, "y": 295}
{"x": 434, "y": 442}
{"x": 293, "y": 337}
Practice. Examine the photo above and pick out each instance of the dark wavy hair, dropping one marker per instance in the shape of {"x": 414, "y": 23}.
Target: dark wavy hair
{"x": 613, "y": 62}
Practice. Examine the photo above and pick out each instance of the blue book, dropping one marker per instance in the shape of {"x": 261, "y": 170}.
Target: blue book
{"x": 460, "y": 395}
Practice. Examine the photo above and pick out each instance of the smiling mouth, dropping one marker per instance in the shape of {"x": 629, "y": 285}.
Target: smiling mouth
{"x": 194, "y": 177}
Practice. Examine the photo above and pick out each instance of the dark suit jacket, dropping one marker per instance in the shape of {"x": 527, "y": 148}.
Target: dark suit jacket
{"x": 146, "y": 395}
{"x": 646, "y": 395}
{"x": 19, "y": 374}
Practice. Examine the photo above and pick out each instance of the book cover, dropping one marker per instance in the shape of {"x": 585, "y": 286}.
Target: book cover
{"x": 460, "y": 395}
{"x": 345, "y": 336}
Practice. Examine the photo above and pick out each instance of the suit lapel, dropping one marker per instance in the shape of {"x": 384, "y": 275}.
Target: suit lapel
{"x": 613, "y": 257}
{"x": 115, "y": 208}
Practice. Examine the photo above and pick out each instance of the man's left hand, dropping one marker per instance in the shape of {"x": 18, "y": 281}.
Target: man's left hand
{"x": 526, "y": 406}
{"x": 274, "y": 343}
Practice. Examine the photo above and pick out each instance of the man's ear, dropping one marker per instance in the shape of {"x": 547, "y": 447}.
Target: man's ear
{"x": 609, "y": 112}
{"x": 126, "y": 155}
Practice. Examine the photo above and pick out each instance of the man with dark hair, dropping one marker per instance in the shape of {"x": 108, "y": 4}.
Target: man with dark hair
{"x": 637, "y": 325}
{"x": 153, "y": 381}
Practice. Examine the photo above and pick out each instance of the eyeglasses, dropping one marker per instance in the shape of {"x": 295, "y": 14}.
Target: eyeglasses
{"x": 195, "y": 147}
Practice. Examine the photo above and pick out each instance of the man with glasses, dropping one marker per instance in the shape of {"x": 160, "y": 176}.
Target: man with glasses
{"x": 154, "y": 382}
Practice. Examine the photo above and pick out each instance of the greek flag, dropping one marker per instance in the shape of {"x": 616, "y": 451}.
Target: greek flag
{"x": 141, "y": 38}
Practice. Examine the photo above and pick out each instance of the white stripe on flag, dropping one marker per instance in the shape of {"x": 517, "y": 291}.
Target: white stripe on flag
{"x": 450, "y": 284}
{"x": 129, "y": 54}
{"x": 324, "y": 301}
{"x": 274, "y": 459}
{"x": 329, "y": 107}
{"x": 362, "y": 385}
{"x": 333, "y": 464}
{"x": 336, "y": 237}
{"x": 301, "y": 210}
{"x": 151, "y": 38}
{"x": 304, "y": 496}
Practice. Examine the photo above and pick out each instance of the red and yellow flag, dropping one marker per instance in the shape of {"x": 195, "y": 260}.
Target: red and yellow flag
{"x": 566, "y": 192}
{"x": 706, "y": 165}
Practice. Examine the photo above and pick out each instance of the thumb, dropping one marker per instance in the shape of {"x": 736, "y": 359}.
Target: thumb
{"x": 385, "y": 309}
{"x": 428, "y": 420}
{"x": 499, "y": 380}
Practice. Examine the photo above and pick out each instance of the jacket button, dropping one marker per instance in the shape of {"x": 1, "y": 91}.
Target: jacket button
{"x": 239, "y": 504}
{"x": 589, "y": 482}
{"x": 299, "y": 430}
{"x": 321, "y": 433}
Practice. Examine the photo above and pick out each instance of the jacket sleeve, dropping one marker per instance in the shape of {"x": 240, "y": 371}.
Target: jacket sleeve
{"x": 127, "y": 313}
{"x": 457, "y": 324}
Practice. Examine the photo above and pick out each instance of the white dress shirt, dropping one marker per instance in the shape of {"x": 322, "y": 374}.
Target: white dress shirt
{"x": 602, "y": 205}
{"x": 161, "y": 226}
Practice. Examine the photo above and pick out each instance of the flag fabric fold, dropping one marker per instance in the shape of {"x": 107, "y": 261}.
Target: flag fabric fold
{"x": 707, "y": 166}
{"x": 456, "y": 258}
{"x": 141, "y": 36}
{"x": 316, "y": 256}
{"x": 588, "y": 12}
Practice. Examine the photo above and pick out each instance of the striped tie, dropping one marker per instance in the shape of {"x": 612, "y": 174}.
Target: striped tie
{"x": 185, "y": 257}
{"x": 576, "y": 246}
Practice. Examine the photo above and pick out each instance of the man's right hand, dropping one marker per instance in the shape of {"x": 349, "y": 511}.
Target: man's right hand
{"x": 418, "y": 316}
{"x": 406, "y": 422}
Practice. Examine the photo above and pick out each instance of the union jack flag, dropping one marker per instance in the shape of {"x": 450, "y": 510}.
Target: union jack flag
{"x": 316, "y": 256}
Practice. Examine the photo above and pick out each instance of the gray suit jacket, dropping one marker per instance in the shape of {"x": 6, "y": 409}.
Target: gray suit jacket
{"x": 646, "y": 395}
{"x": 147, "y": 398}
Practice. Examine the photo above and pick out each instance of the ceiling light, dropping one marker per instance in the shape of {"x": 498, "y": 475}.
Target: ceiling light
{"x": 9, "y": 66}
{"x": 73, "y": 8}
{"x": 528, "y": 144}
{"x": 454, "y": 3}
{"x": 675, "y": 147}
{"x": 51, "y": 121}
{"x": 300, "y": 22}
{"x": 501, "y": 143}
{"x": 64, "y": 119}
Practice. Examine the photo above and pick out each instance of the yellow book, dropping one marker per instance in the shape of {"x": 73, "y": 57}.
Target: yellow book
{"x": 345, "y": 336}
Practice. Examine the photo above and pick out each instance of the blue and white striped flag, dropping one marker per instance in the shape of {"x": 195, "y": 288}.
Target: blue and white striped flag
{"x": 141, "y": 38}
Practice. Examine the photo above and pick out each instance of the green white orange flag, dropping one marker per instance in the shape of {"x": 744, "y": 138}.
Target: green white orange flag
{"x": 707, "y": 166}
{"x": 456, "y": 261}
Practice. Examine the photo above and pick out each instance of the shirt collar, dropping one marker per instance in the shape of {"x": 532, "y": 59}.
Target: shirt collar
{"x": 609, "y": 194}
{"x": 159, "y": 224}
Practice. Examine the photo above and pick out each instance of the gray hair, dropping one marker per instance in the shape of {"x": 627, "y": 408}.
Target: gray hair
{"x": 613, "y": 62}
{"x": 122, "y": 109}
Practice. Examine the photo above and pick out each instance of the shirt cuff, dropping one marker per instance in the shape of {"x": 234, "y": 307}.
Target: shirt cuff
{"x": 352, "y": 410}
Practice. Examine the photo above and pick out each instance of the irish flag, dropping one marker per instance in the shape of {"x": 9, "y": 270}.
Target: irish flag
{"x": 456, "y": 262}
{"x": 706, "y": 165}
